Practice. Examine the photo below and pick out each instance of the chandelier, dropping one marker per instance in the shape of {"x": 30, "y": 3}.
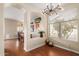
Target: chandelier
{"x": 52, "y": 9}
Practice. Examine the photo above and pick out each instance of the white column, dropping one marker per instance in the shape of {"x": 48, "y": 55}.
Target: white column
{"x": 1, "y": 31}
{"x": 26, "y": 30}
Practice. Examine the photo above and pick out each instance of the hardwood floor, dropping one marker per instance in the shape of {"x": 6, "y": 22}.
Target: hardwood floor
{"x": 12, "y": 49}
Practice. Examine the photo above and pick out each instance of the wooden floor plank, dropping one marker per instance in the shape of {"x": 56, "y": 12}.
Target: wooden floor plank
{"x": 12, "y": 50}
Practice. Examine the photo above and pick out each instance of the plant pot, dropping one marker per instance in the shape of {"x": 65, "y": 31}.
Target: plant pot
{"x": 41, "y": 34}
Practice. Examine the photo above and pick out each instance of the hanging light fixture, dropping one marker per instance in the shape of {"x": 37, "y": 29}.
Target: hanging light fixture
{"x": 52, "y": 9}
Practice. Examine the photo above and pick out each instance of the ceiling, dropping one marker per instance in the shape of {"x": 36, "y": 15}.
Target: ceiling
{"x": 40, "y": 6}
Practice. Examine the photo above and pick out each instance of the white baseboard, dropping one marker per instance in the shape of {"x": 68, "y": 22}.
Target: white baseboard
{"x": 67, "y": 49}
{"x": 36, "y": 47}
{"x": 15, "y": 38}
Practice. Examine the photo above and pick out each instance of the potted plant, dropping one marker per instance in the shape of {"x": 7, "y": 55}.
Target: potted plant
{"x": 37, "y": 20}
{"x": 41, "y": 33}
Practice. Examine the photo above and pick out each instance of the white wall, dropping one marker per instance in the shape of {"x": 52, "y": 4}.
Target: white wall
{"x": 29, "y": 43}
{"x": 1, "y": 31}
{"x": 13, "y": 13}
{"x": 10, "y": 29}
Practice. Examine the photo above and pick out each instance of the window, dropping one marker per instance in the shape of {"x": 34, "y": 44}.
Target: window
{"x": 69, "y": 30}
{"x": 54, "y": 30}
{"x": 66, "y": 29}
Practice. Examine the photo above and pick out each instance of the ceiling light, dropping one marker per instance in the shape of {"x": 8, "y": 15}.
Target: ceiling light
{"x": 52, "y": 9}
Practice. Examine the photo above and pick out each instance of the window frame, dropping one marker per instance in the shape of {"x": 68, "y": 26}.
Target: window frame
{"x": 60, "y": 29}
